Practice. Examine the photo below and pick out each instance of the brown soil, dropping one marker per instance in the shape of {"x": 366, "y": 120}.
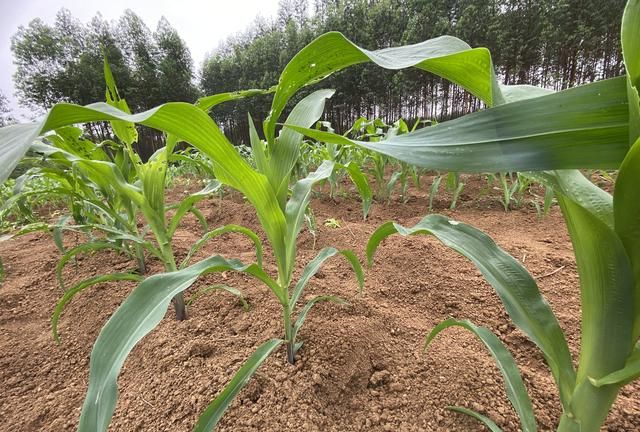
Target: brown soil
{"x": 362, "y": 366}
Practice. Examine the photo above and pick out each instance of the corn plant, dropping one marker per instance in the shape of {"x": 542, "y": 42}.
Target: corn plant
{"x": 603, "y": 228}
{"x": 266, "y": 188}
{"x": 347, "y": 160}
{"x": 21, "y": 197}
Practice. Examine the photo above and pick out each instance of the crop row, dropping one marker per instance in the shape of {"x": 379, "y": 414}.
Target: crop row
{"x": 523, "y": 129}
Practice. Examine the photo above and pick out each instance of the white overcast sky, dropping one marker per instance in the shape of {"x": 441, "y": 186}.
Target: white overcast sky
{"x": 202, "y": 24}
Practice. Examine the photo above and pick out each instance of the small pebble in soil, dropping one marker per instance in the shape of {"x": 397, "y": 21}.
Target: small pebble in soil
{"x": 396, "y": 387}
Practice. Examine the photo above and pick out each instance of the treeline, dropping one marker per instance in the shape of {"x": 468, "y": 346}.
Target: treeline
{"x": 5, "y": 113}
{"x": 63, "y": 62}
{"x": 550, "y": 43}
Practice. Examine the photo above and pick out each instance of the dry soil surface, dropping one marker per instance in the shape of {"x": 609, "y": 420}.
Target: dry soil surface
{"x": 362, "y": 366}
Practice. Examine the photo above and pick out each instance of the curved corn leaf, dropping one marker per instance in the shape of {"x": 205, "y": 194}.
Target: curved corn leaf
{"x": 513, "y": 284}
{"x": 630, "y": 372}
{"x": 362, "y": 183}
{"x": 29, "y": 228}
{"x": 607, "y": 285}
{"x": 490, "y": 424}
{"x": 446, "y": 56}
{"x": 80, "y": 286}
{"x": 630, "y": 38}
{"x": 295, "y": 210}
{"x": 433, "y": 190}
{"x": 205, "y": 168}
{"x": 198, "y": 214}
{"x": 314, "y": 265}
{"x": 187, "y": 203}
{"x": 206, "y": 103}
{"x": 607, "y": 294}
{"x": 14, "y": 143}
{"x": 125, "y": 131}
{"x": 626, "y": 209}
{"x": 202, "y": 291}
{"x": 575, "y": 186}
{"x": 631, "y": 41}
{"x": 57, "y": 232}
{"x": 392, "y": 183}
{"x": 224, "y": 230}
{"x": 516, "y": 390}
{"x": 284, "y": 154}
{"x": 185, "y": 121}
{"x": 258, "y": 148}
{"x": 302, "y": 316}
{"x": 212, "y": 415}
{"x": 85, "y": 247}
{"x": 140, "y": 313}
{"x": 583, "y": 127}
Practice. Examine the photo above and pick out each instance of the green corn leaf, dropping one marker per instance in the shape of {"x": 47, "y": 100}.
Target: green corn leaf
{"x": 187, "y": 123}
{"x": 583, "y": 127}
{"x": 125, "y": 131}
{"x": 107, "y": 175}
{"x": 516, "y": 390}
{"x": 258, "y": 149}
{"x": 224, "y": 230}
{"x": 203, "y": 167}
{"x": 445, "y": 56}
{"x": 626, "y": 208}
{"x": 490, "y": 424}
{"x": 631, "y": 53}
{"x": 140, "y": 313}
{"x": 152, "y": 177}
{"x": 57, "y": 231}
{"x": 235, "y": 291}
{"x": 295, "y": 210}
{"x": 433, "y": 190}
{"x": 30, "y": 228}
{"x": 286, "y": 150}
{"x": 607, "y": 302}
{"x": 80, "y": 286}
{"x": 208, "y": 102}
{"x": 392, "y": 183}
{"x": 629, "y": 373}
{"x": 70, "y": 139}
{"x": 606, "y": 284}
{"x": 514, "y": 93}
{"x": 14, "y": 143}
{"x": 314, "y": 265}
{"x": 362, "y": 184}
{"x": 198, "y": 214}
{"x": 575, "y": 186}
{"x": 516, "y": 288}
{"x": 631, "y": 40}
{"x": 187, "y": 203}
{"x": 116, "y": 234}
{"x": 212, "y": 415}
